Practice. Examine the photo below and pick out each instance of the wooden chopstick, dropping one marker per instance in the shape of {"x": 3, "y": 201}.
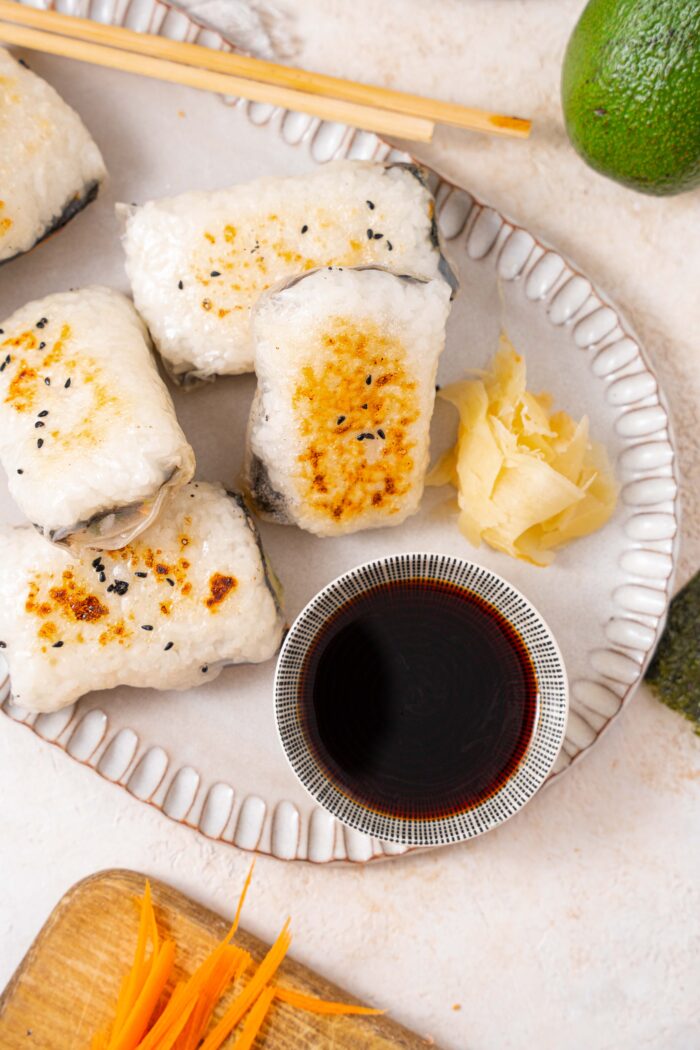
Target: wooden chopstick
{"x": 383, "y": 122}
{"x": 270, "y": 73}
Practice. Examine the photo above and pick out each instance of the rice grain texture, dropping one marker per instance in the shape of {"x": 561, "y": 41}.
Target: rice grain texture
{"x": 50, "y": 167}
{"x": 168, "y": 611}
{"x": 88, "y": 432}
{"x": 338, "y": 436}
{"x": 199, "y": 262}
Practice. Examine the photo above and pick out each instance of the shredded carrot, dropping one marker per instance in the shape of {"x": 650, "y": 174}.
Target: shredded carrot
{"x": 170, "y": 1015}
{"x": 139, "y": 1017}
{"x": 204, "y": 981}
{"x": 187, "y": 1014}
{"x": 188, "y": 996}
{"x": 124, "y": 988}
{"x": 320, "y": 1006}
{"x": 241, "y": 899}
{"x": 230, "y": 969}
{"x": 240, "y": 1005}
{"x": 168, "y": 1041}
{"x": 133, "y": 984}
{"x": 254, "y": 1021}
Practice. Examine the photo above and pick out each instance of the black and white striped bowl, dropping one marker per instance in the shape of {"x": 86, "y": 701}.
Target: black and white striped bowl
{"x": 552, "y": 700}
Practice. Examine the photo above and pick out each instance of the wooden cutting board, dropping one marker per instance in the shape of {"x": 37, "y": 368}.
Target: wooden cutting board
{"x": 66, "y": 987}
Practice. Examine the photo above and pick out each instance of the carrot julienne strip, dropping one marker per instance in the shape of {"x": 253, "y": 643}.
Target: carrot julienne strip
{"x": 188, "y": 998}
{"x": 240, "y": 1005}
{"x": 204, "y": 975}
{"x": 169, "y": 1017}
{"x": 321, "y": 1006}
{"x": 209, "y": 980}
{"x": 255, "y": 1019}
{"x": 124, "y": 988}
{"x": 169, "y": 1039}
{"x": 139, "y": 1017}
{"x": 241, "y": 899}
{"x": 190, "y": 991}
{"x": 230, "y": 969}
{"x": 183, "y": 1022}
{"x": 132, "y": 985}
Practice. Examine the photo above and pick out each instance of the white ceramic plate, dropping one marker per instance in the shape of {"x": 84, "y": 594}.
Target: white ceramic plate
{"x": 210, "y": 757}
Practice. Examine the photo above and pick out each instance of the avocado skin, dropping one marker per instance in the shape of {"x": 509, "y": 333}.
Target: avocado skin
{"x": 631, "y": 92}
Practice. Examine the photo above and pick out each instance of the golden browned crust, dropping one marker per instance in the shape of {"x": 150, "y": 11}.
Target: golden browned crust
{"x": 355, "y": 410}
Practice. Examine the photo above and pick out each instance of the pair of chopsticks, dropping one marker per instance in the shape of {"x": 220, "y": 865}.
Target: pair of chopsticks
{"x": 381, "y": 110}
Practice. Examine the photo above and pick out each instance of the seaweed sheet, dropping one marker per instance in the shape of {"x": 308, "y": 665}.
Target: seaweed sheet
{"x": 674, "y": 672}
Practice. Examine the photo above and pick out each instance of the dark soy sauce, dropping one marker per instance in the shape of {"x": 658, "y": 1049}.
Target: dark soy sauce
{"x": 418, "y": 699}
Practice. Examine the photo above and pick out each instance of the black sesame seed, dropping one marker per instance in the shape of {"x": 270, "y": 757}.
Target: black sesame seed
{"x": 42, "y": 345}
{"x": 171, "y": 582}
{"x": 378, "y": 236}
{"x": 120, "y": 587}
{"x": 42, "y": 322}
{"x": 96, "y": 562}
{"x": 19, "y": 470}
{"x": 142, "y": 574}
{"x": 365, "y": 405}
{"x": 44, "y": 412}
{"x": 40, "y": 442}
{"x": 370, "y": 205}
{"x": 47, "y": 381}
{"x": 205, "y": 669}
{"x": 3, "y": 645}
{"x": 304, "y": 228}
{"x": 3, "y": 366}
{"x": 368, "y": 380}
{"x": 390, "y": 246}
{"x": 370, "y": 234}
{"x": 215, "y": 273}
{"x": 168, "y": 646}
{"x": 57, "y": 645}
{"x": 360, "y": 437}
{"x": 111, "y": 588}
{"x": 8, "y": 359}
{"x": 381, "y": 434}
{"x": 437, "y": 387}
{"x": 39, "y": 424}
{"x": 180, "y": 285}
{"x": 370, "y": 437}
{"x": 2, "y": 331}
{"x": 67, "y": 383}
{"x": 146, "y": 626}
{"x": 102, "y": 578}
{"x": 341, "y": 419}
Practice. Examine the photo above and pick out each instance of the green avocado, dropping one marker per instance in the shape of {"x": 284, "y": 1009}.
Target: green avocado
{"x": 631, "y": 92}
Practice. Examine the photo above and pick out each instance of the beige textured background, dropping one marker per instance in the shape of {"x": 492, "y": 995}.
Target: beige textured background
{"x": 576, "y": 925}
